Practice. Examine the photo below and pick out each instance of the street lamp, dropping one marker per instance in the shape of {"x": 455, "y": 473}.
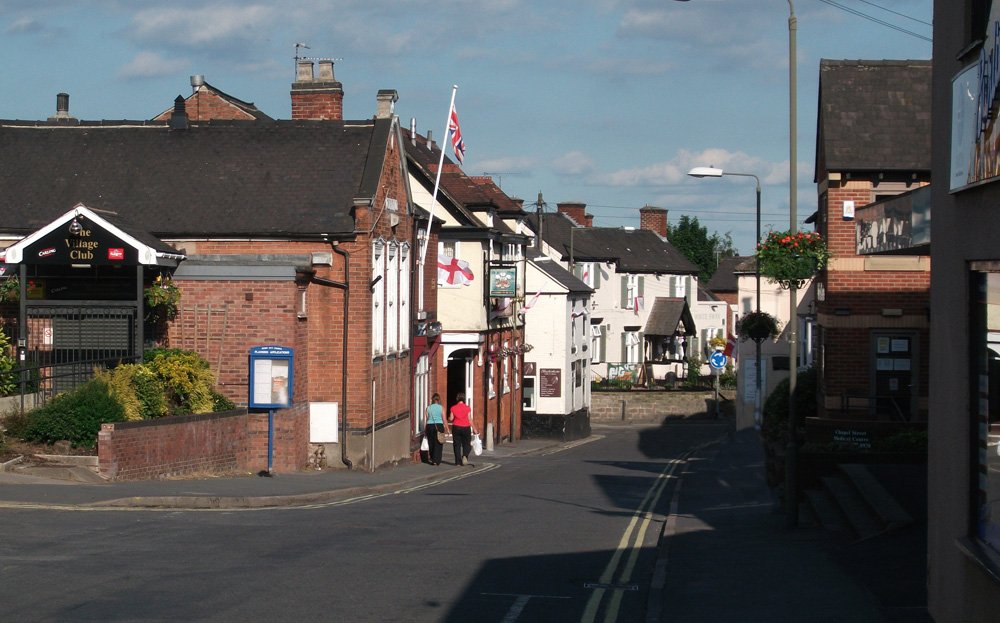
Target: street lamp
{"x": 702, "y": 172}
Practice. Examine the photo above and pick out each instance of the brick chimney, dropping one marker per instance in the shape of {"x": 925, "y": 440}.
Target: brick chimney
{"x": 575, "y": 210}
{"x": 385, "y": 102}
{"x": 317, "y": 98}
{"x": 653, "y": 219}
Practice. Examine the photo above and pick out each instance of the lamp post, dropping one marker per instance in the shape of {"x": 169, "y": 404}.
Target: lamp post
{"x": 702, "y": 172}
{"x": 791, "y": 451}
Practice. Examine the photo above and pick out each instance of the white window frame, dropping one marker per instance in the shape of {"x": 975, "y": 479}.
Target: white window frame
{"x": 392, "y": 297}
{"x": 596, "y": 333}
{"x": 404, "y": 296}
{"x": 506, "y": 368}
{"x": 631, "y": 291}
{"x": 633, "y": 347}
{"x": 378, "y": 297}
{"x": 421, "y": 392}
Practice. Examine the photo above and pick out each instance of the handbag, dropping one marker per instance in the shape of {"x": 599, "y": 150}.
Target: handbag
{"x": 424, "y": 446}
{"x": 440, "y": 437}
{"x": 477, "y": 444}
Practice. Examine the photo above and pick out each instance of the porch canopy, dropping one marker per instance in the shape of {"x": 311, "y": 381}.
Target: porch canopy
{"x": 669, "y": 321}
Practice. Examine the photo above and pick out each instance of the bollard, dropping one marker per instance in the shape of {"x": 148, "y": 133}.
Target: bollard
{"x": 489, "y": 436}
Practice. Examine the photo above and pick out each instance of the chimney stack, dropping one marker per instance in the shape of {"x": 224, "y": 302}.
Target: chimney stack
{"x": 385, "y": 102}
{"x": 318, "y": 99}
{"x": 62, "y": 109}
{"x": 574, "y": 210}
{"x": 653, "y": 219}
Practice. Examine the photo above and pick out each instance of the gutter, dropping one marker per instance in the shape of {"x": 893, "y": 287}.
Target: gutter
{"x": 346, "y": 287}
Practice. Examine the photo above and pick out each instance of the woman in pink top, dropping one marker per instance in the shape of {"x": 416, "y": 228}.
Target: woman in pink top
{"x": 461, "y": 429}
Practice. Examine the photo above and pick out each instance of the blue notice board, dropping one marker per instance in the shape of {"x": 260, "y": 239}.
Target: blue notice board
{"x": 271, "y": 377}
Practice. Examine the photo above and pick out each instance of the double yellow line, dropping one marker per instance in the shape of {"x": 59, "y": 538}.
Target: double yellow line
{"x": 631, "y": 542}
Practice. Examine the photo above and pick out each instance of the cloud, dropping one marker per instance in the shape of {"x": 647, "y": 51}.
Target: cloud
{"x": 23, "y": 26}
{"x": 207, "y": 26}
{"x": 574, "y": 163}
{"x": 150, "y": 65}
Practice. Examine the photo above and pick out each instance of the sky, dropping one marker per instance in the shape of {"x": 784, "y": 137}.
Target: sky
{"x": 605, "y": 102}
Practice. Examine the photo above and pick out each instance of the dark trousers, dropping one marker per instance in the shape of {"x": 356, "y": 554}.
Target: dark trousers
{"x": 461, "y": 439}
{"x": 434, "y": 448}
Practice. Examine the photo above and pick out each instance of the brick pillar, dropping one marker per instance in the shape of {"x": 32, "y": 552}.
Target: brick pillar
{"x": 313, "y": 98}
{"x": 575, "y": 210}
{"x": 653, "y": 219}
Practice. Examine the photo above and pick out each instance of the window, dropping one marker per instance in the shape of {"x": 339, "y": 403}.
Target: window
{"x": 490, "y": 375}
{"x": 506, "y": 368}
{"x": 596, "y": 343}
{"x": 678, "y": 286}
{"x": 632, "y": 287}
{"x": 632, "y": 351}
{"x": 528, "y": 396}
{"x": 404, "y": 296}
{"x": 378, "y": 297}
{"x": 578, "y": 372}
{"x": 986, "y": 410}
{"x": 421, "y": 392}
{"x": 392, "y": 298}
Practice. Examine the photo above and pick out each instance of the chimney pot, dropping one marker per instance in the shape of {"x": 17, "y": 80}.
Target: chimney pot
{"x": 62, "y": 108}
{"x": 326, "y": 71}
{"x": 304, "y": 71}
{"x": 179, "y": 118}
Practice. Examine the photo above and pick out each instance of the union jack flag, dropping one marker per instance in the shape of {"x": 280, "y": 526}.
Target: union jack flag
{"x": 456, "y": 136}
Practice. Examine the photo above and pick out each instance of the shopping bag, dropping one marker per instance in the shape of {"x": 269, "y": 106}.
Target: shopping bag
{"x": 424, "y": 445}
{"x": 477, "y": 444}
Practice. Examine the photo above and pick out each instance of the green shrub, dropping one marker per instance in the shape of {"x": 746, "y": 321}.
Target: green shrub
{"x": 8, "y": 380}
{"x": 186, "y": 379}
{"x": 775, "y": 408}
{"x": 137, "y": 389}
{"x": 727, "y": 378}
{"x": 75, "y": 416}
{"x": 221, "y": 403}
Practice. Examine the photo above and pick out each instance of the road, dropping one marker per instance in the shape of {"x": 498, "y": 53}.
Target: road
{"x": 566, "y": 535}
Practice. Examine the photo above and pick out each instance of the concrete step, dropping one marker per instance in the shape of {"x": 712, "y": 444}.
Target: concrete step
{"x": 885, "y": 507}
{"x": 864, "y": 523}
{"x": 825, "y": 511}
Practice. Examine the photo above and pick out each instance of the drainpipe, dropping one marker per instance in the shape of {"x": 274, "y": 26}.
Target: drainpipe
{"x": 346, "y": 287}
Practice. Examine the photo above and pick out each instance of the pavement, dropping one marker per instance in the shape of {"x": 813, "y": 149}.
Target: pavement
{"x": 74, "y": 487}
{"x": 725, "y": 552}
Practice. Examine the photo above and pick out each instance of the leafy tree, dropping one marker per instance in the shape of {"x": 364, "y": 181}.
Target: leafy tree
{"x": 692, "y": 239}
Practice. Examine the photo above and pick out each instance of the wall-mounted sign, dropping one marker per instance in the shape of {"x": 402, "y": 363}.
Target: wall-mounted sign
{"x": 271, "y": 377}
{"x": 503, "y": 282}
{"x": 550, "y": 382}
{"x": 82, "y": 241}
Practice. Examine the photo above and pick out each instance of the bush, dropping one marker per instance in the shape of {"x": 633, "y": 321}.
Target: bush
{"x": 186, "y": 379}
{"x": 775, "y": 408}
{"x": 75, "y": 416}
{"x": 8, "y": 380}
{"x": 137, "y": 389}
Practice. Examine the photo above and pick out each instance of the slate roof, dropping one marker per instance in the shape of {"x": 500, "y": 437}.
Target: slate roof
{"x": 232, "y": 178}
{"x": 724, "y": 278}
{"x": 667, "y": 314}
{"x": 557, "y": 273}
{"x": 633, "y": 250}
{"x": 471, "y": 192}
{"x": 874, "y": 116}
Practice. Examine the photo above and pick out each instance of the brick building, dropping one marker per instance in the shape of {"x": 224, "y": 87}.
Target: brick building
{"x": 873, "y": 145}
{"x": 298, "y": 233}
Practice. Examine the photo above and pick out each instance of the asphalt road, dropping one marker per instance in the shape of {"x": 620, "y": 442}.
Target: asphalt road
{"x": 566, "y": 535}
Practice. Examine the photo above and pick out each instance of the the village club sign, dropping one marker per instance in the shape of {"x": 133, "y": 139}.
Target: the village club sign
{"x": 80, "y": 242}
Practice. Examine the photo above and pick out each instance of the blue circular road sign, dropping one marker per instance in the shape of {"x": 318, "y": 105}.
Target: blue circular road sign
{"x": 718, "y": 360}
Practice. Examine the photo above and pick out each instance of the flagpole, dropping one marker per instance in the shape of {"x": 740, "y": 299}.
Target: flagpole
{"x": 437, "y": 178}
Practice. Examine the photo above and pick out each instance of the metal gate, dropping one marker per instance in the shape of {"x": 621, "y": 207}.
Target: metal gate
{"x": 66, "y": 341}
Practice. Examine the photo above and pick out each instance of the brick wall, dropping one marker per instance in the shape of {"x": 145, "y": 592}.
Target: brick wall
{"x": 205, "y": 105}
{"x": 638, "y": 406}
{"x": 172, "y": 446}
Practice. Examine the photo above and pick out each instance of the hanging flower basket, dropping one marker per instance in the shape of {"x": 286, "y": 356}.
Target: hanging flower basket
{"x": 792, "y": 258}
{"x": 758, "y": 326}
{"x": 162, "y": 298}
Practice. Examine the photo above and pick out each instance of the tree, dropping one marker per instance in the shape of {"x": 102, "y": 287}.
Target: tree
{"x": 692, "y": 239}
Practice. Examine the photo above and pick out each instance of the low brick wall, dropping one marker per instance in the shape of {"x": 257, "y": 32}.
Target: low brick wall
{"x": 172, "y": 446}
{"x": 638, "y": 406}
